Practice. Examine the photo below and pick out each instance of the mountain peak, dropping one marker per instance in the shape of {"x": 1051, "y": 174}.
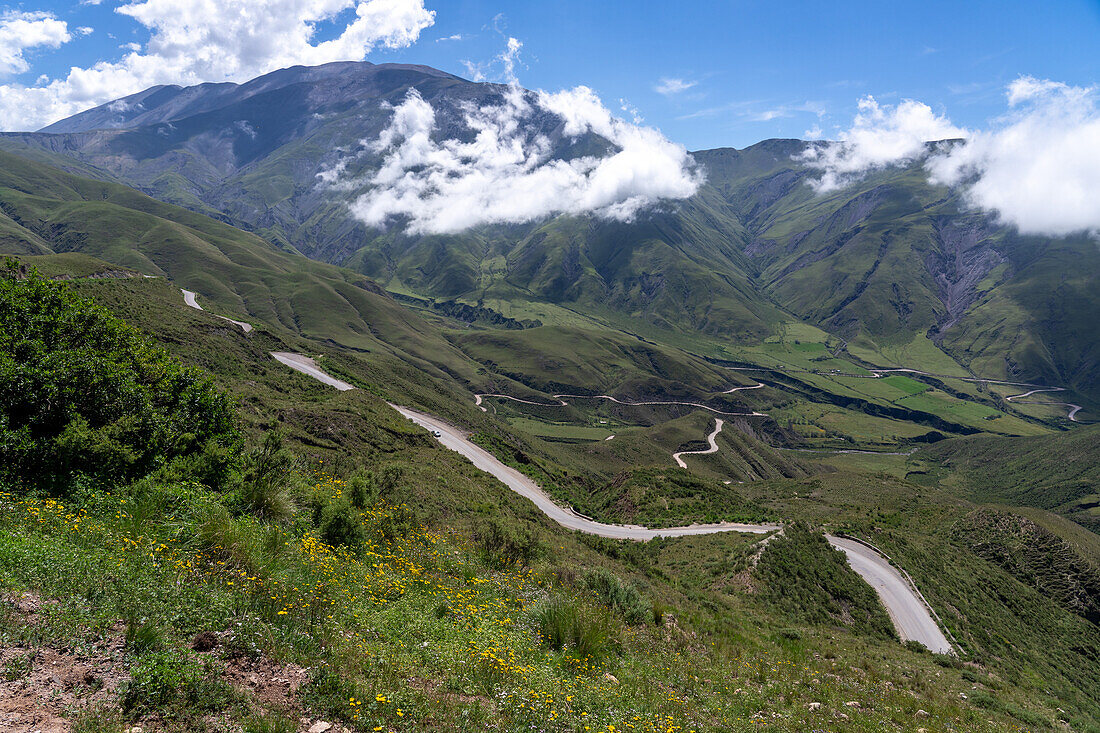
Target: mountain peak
{"x": 166, "y": 103}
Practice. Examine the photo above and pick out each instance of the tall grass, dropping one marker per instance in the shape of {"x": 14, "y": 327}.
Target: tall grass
{"x": 588, "y": 633}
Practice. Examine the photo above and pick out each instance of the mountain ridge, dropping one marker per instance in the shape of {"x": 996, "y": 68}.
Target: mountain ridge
{"x": 887, "y": 261}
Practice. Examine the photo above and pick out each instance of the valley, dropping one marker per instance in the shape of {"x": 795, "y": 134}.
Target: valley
{"x": 903, "y": 602}
{"x": 759, "y": 456}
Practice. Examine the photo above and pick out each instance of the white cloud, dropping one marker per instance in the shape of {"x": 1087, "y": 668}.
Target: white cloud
{"x": 669, "y": 86}
{"x": 501, "y": 67}
{"x": 21, "y": 31}
{"x": 193, "y": 41}
{"x": 505, "y": 172}
{"x": 627, "y": 108}
{"x": 455, "y": 37}
{"x": 880, "y": 136}
{"x": 1038, "y": 167}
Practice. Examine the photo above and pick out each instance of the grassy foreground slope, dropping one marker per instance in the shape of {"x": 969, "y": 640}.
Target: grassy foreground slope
{"x": 393, "y": 587}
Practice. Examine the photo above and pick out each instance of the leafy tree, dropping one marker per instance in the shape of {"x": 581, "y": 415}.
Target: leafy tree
{"x": 81, "y": 392}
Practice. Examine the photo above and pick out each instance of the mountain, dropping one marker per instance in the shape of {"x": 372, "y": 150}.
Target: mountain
{"x": 892, "y": 264}
{"x": 343, "y": 556}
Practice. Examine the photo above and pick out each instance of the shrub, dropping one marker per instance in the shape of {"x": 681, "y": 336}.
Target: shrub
{"x": 566, "y": 626}
{"x": 142, "y": 636}
{"x": 802, "y": 577}
{"x": 269, "y": 479}
{"x": 340, "y": 525}
{"x": 393, "y": 523}
{"x": 507, "y": 545}
{"x": 623, "y": 598}
{"x": 81, "y": 392}
{"x": 363, "y": 489}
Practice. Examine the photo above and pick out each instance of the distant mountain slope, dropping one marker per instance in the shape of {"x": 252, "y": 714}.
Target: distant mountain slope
{"x": 43, "y": 210}
{"x": 881, "y": 263}
{"x": 1057, "y": 472}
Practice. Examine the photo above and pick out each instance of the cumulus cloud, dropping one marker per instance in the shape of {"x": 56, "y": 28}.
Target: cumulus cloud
{"x": 193, "y": 41}
{"x": 669, "y": 86}
{"x": 21, "y": 31}
{"x": 1038, "y": 168}
{"x": 880, "y": 136}
{"x": 504, "y": 172}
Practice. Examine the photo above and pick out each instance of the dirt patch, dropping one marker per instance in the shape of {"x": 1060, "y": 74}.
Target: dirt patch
{"x": 43, "y": 688}
{"x": 273, "y": 686}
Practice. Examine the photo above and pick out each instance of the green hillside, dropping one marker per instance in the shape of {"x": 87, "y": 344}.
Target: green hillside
{"x": 889, "y": 264}
{"x": 421, "y": 593}
{"x": 1058, "y": 472}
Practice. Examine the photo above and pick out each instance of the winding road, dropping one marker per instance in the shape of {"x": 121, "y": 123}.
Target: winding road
{"x": 712, "y": 439}
{"x": 1073, "y": 409}
{"x": 455, "y": 439}
{"x": 903, "y": 602}
{"x": 479, "y": 398}
{"x": 910, "y": 614}
{"x": 876, "y": 373}
{"x": 189, "y": 297}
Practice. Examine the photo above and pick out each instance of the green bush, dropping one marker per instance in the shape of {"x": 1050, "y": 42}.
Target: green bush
{"x": 81, "y": 392}
{"x": 505, "y": 545}
{"x": 341, "y": 525}
{"x": 270, "y": 480}
{"x": 806, "y": 580}
{"x": 623, "y": 598}
{"x": 142, "y": 636}
{"x": 564, "y": 625}
{"x": 363, "y": 489}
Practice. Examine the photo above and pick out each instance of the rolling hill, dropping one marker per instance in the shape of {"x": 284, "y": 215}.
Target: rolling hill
{"x": 886, "y": 263}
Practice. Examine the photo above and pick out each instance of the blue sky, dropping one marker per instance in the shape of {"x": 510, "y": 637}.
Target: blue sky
{"x": 753, "y": 70}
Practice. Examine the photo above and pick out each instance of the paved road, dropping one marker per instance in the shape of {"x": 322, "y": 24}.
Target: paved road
{"x": 305, "y": 365}
{"x": 189, "y": 298}
{"x": 903, "y": 603}
{"x": 712, "y": 439}
{"x": 479, "y": 398}
{"x": 453, "y": 438}
{"x": 1073, "y": 409}
{"x": 910, "y": 616}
